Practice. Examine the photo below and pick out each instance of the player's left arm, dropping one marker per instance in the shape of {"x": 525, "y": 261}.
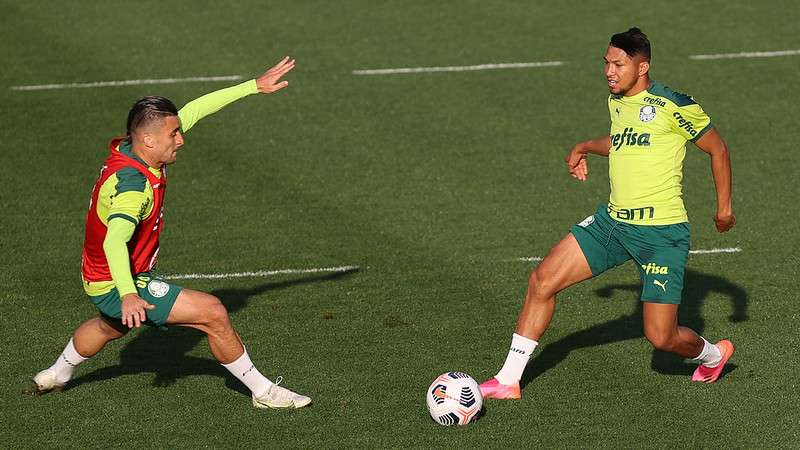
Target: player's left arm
{"x": 577, "y": 166}
{"x": 208, "y": 104}
{"x": 712, "y": 143}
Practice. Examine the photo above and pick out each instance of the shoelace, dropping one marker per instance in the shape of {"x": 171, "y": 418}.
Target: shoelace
{"x": 279, "y": 393}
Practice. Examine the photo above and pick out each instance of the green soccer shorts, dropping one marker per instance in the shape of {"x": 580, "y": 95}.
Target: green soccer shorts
{"x": 660, "y": 252}
{"x": 153, "y": 290}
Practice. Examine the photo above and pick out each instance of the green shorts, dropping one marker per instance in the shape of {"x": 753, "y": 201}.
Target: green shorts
{"x": 660, "y": 252}
{"x": 153, "y": 290}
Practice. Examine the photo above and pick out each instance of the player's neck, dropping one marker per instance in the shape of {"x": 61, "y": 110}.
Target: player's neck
{"x": 641, "y": 85}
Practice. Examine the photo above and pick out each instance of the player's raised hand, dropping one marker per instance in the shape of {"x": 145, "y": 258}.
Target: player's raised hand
{"x": 133, "y": 310}
{"x": 270, "y": 81}
{"x": 576, "y": 164}
{"x": 724, "y": 222}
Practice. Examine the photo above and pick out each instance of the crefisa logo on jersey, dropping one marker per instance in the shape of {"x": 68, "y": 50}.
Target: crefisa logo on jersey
{"x": 647, "y": 113}
{"x": 630, "y": 137}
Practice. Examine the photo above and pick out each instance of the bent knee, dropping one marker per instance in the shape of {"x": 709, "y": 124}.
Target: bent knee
{"x": 216, "y": 316}
{"x": 661, "y": 341}
{"x": 540, "y": 288}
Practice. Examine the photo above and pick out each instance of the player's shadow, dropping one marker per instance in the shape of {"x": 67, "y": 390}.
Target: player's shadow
{"x": 165, "y": 352}
{"x": 697, "y": 286}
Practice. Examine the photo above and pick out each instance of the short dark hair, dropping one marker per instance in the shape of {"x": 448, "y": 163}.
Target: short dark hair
{"x": 149, "y": 109}
{"x": 633, "y": 42}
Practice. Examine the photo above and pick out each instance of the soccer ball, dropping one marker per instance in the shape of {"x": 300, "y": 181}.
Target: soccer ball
{"x": 454, "y": 398}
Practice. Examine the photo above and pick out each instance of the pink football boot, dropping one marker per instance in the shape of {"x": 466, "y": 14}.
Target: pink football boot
{"x": 494, "y": 389}
{"x": 711, "y": 374}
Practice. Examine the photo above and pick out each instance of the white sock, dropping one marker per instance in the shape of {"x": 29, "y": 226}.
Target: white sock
{"x": 710, "y": 356}
{"x": 246, "y": 372}
{"x": 518, "y": 356}
{"x": 66, "y": 363}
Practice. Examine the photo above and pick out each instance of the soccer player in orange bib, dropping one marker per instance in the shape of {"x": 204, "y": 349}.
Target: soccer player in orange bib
{"x": 124, "y": 221}
{"x": 644, "y": 220}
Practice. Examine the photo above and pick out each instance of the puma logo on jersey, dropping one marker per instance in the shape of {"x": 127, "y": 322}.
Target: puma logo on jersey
{"x": 661, "y": 285}
{"x": 655, "y": 269}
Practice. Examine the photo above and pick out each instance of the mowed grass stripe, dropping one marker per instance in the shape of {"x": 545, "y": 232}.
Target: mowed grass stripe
{"x": 389, "y": 71}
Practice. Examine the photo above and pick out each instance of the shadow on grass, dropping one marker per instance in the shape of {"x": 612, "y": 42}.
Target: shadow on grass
{"x": 697, "y": 286}
{"x": 165, "y": 352}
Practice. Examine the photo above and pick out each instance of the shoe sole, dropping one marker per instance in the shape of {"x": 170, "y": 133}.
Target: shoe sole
{"x": 507, "y": 397}
{"x": 289, "y": 406}
{"x": 35, "y": 390}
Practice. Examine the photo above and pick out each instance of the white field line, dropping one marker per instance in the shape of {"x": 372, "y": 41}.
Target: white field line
{"x": 715, "y": 250}
{"x": 492, "y": 66}
{"x": 747, "y": 55}
{"x": 458, "y": 68}
{"x": 96, "y": 84}
{"x": 693, "y": 252}
{"x": 531, "y": 258}
{"x": 256, "y": 274}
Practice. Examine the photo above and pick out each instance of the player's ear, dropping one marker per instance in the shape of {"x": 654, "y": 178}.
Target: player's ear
{"x": 148, "y": 140}
{"x": 644, "y": 67}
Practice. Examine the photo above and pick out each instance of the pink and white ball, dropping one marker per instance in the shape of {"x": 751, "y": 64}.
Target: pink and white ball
{"x": 454, "y": 398}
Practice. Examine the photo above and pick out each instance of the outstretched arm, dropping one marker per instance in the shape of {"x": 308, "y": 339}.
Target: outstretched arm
{"x": 712, "y": 143}
{"x": 576, "y": 158}
{"x": 208, "y": 104}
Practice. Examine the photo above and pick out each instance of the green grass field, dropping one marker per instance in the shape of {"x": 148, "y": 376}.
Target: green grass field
{"x": 433, "y": 184}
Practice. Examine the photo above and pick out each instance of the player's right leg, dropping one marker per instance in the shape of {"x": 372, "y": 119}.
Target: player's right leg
{"x": 86, "y": 342}
{"x": 563, "y": 266}
{"x": 206, "y": 313}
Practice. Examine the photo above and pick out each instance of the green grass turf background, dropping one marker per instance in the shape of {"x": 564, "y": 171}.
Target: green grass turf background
{"x": 433, "y": 184}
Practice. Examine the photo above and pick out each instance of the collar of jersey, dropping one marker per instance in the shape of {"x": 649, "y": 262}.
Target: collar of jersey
{"x": 648, "y": 90}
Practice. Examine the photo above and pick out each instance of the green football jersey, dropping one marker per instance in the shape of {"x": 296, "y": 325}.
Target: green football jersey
{"x": 128, "y": 195}
{"x": 649, "y": 131}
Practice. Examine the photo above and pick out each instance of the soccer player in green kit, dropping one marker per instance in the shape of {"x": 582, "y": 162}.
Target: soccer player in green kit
{"x": 644, "y": 220}
{"x": 123, "y": 223}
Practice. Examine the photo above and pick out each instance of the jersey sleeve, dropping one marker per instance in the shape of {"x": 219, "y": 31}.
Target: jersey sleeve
{"x": 132, "y": 199}
{"x": 690, "y": 121}
{"x": 115, "y": 246}
{"x": 208, "y": 104}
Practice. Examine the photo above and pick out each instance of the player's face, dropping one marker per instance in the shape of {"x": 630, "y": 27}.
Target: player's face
{"x": 622, "y": 71}
{"x": 167, "y": 140}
